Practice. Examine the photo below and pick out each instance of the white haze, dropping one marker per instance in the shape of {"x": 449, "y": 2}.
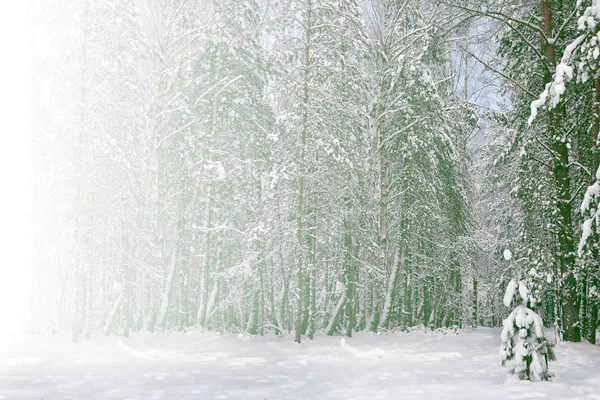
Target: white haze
{"x": 16, "y": 124}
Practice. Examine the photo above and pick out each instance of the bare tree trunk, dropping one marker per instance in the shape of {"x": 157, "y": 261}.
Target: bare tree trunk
{"x": 211, "y": 302}
{"x": 351, "y": 275}
{"x": 300, "y": 199}
{"x": 474, "y": 323}
{"x": 335, "y": 319}
{"x": 312, "y": 306}
{"x": 384, "y": 320}
{"x": 166, "y": 298}
{"x": 205, "y": 281}
{"x": 127, "y": 278}
{"x": 407, "y": 306}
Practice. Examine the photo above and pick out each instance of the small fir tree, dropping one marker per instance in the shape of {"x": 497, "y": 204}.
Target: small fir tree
{"x": 523, "y": 342}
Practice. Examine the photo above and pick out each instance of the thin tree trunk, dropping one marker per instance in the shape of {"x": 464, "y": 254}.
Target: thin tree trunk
{"x": 211, "y": 302}
{"x": 166, "y": 298}
{"x": 312, "y": 310}
{"x": 384, "y": 319}
{"x": 335, "y": 319}
{"x": 474, "y": 323}
{"x": 300, "y": 199}
{"x": 352, "y": 250}
{"x": 110, "y": 322}
{"x": 204, "y": 287}
{"x": 407, "y": 306}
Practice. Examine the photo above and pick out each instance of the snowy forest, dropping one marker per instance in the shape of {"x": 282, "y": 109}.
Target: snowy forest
{"x": 314, "y": 166}
{"x": 292, "y": 199}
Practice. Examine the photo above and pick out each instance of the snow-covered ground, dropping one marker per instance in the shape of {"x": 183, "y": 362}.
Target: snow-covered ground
{"x": 203, "y": 366}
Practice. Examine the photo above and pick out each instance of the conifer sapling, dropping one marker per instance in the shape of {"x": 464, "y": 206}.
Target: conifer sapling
{"x": 523, "y": 342}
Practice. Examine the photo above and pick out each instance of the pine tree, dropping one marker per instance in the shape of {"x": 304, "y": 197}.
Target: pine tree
{"x": 523, "y": 340}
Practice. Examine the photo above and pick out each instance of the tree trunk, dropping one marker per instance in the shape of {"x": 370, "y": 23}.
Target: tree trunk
{"x": 351, "y": 276}
{"x": 474, "y": 323}
{"x": 384, "y": 319}
{"x": 205, "y": 283}
{"x": 166, "y": 298}
{"x": 300, "y": 199}
{"x": 595, "y": 267}
{"x": 407, "y": 306}
{"x": 562, "y": 182}
{"x": 335, "y": 319}
{"x": 110, "y": 322}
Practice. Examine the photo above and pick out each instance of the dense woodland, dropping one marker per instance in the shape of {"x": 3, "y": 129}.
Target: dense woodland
{"x": 305, "y": 166}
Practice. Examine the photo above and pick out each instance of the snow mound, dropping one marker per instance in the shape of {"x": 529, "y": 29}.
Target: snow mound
{"x": 147, "y": 354}
{"x": 374, "y": 354}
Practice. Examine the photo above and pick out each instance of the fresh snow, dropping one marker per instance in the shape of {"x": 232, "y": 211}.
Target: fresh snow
{"x": 523, "y": 291}
{"x": 196, "y": 365}
{"x": 592, "y": 192}
{"x": 510, "y": 293}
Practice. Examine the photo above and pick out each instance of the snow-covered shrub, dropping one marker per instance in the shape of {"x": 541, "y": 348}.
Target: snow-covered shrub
{"x": 523, "y": 342}
{"x": 418, "y": 328}
{"x": 451, "y": 330}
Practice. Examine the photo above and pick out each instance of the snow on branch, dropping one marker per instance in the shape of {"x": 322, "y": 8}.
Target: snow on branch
{"x": 555, "y": 89}
{"x": 592, "y": 194}
{"x": 585, "y": 47}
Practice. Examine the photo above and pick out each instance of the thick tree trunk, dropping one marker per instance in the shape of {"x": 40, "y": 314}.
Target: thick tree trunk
{"x": 379, "y": 151}
{"x": 562, "y": 182}
{"x": 570, "y": 295}
{"x": 594, "y": 269}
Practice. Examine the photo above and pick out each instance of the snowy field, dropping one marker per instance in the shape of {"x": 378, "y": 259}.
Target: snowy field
{"x": 203, "y": 366}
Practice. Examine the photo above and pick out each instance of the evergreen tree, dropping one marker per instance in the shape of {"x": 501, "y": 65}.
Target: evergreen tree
{"x": 523, "y": 340}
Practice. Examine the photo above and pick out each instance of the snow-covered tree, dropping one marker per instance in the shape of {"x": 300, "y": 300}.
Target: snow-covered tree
{"x": 267, "y": 166}
{"x": 523, "y": 342}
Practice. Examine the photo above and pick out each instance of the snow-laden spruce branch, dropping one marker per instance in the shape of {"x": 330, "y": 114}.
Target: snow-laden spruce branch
{"x": 584, "y": 49}
{"x": 592, "y": 196}
{"x": 582, "y": 52}
{"x": 556, "y": 88}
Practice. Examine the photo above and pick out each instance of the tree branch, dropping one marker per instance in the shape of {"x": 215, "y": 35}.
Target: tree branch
{"x": 502, "y": 74}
